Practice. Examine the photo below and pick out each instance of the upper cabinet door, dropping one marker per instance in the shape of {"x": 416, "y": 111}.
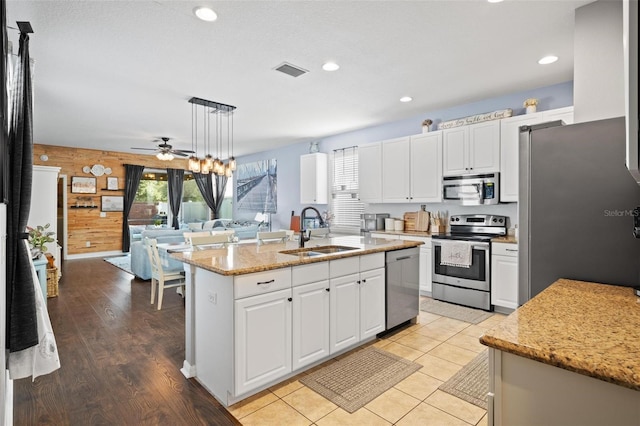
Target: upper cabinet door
{"x": 395, "y": 170}
{"x": 455, "y": 151}
{"x": 484, "y": 147}
{"x": 313, "y": 178}
{"x": 426, "y": 167}
{"x": 369, "y": 172}
{"x": 509, "y": 136}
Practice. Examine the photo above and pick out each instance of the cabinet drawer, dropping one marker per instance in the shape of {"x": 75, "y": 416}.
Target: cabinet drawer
{"x": 372, "y": 261}
{"x": 346, "y": 266}
{"x": 261, "y": 282}
{"x": 504, "y": 249}
{"x": 305, "y": 274}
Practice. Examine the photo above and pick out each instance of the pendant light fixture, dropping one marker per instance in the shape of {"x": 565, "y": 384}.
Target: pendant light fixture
{"x": 220, "y": 113}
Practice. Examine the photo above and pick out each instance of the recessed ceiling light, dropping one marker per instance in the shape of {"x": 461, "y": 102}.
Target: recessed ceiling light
{"x": 330, "y": 66}
{"x": 205, "y": 13}
{"x": 548, "y": 60}
{"x": 495, "y": 1}
{"x": 406, "y": 99}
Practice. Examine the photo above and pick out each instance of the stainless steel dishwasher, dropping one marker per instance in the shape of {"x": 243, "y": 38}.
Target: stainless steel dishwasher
{"x": 402, "y": 287}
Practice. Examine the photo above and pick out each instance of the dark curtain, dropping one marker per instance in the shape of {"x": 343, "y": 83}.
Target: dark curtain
{"x": 22, "y": 327}
{"x": 4, "y": 154}
{"x": 176, "y": 177}
{"x": 205, "y": 185}
{"x": 132, "y": 176}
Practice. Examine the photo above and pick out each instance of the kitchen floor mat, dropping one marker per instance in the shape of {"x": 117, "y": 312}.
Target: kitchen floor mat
{"x": 472, "y": 382}
{"x": 462, "y": 313}
{"x": 360, "y": 377}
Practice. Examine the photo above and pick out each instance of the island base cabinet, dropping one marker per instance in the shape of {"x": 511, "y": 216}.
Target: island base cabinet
{"x": 310, "y": 323}
{"x": 345, "y": 312}
{"x": 527, "y": 392}
{"x": 262, "y": 339}
{"x": 372, "y": 303}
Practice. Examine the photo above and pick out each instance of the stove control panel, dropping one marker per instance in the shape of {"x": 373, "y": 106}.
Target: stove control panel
{"x": 478, "y": 220}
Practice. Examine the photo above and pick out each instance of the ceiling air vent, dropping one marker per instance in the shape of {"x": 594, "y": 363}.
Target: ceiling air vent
{"x": 291, "y": 70}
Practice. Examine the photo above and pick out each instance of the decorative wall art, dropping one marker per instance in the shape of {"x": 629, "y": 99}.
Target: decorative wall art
{"x": 83, "y": 185}
{"x": 112, "y": 183}
{"x": 112, "y": 203}
{"x": 256, "y": 186}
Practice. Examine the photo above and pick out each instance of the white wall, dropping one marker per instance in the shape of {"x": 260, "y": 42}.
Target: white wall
{"x": 598, "y": 62}
{"x": 551, "y": 97}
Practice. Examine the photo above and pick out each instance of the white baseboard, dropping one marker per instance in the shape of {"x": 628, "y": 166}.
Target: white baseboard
{"x": 94, "y": 254}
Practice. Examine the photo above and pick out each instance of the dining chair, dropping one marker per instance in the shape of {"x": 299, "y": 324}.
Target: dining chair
{"x": 164, "y": 278}
{"x": 274, "y": 236}
{"x": 204, "y": 242}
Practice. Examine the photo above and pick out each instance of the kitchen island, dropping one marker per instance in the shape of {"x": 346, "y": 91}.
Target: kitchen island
{"x": 256, "y": 316}
{"x": 569, "y": 356}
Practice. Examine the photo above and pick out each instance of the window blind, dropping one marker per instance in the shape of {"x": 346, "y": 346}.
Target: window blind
{"x": 345, "y": 204}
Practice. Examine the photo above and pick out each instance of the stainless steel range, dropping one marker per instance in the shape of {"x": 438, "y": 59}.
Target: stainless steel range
{"x": 462, "y": 260}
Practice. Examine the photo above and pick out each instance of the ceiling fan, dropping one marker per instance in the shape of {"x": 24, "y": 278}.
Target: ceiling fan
{"x": 166, "y": 151}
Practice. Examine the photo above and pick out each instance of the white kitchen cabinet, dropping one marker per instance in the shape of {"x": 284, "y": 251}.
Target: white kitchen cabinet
{"x": 357, "y": 300}
{"x": 426, "y": 168}
{"x": 313, "y": 178}
{"x": 372, "y": 303}
{"x": 412, "y": 169}
{"x": 504, "y": 275}
{"x": 261, "y": 322}
{"x": 310, "y": 328}
{"x": 369, "y": 176}
{"x": 509, "y": 137}
{"x": 471, "y": 149}
{"x": 345, "y": 312}
{"x": 396, "y": 174}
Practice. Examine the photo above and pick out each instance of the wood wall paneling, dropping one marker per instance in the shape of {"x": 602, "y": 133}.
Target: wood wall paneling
{"x": 85, "y": 224}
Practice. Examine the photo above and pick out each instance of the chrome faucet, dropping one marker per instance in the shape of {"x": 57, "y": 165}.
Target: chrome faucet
{"x": 303, "y": 231}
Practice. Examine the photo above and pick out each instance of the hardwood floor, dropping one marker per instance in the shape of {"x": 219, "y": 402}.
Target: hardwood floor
{"x": 120, "y": 357}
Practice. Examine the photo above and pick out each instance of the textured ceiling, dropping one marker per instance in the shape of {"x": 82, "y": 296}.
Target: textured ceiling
{"x": 117, "y": 74}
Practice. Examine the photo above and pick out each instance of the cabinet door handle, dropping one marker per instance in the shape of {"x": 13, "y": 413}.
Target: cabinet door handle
{"x": 328, "y": 289}
{"x": 265, "y": 282}
{"x": 403, "y": 257}
{"x": 511, "y": 250}
{"x": 290, "y": 299}
{"x": 364, "y": 281}
{"x": 358, "y": 282}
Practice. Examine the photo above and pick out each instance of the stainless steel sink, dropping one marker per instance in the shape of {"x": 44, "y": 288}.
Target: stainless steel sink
{"x": 318, "y": 251}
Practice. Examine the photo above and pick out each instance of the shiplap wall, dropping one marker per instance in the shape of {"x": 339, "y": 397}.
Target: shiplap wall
{"x": 103, "y": 233}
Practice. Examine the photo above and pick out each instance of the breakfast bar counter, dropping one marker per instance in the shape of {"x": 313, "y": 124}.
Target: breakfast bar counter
{"x": 258, "y": 314}
{"x": 571, "y": 327}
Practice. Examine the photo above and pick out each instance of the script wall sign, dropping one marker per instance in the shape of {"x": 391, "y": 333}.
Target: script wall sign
{"x": 473, "y": 119}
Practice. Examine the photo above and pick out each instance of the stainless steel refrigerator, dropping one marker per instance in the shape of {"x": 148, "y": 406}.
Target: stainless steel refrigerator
{"x": 575, "y": 206}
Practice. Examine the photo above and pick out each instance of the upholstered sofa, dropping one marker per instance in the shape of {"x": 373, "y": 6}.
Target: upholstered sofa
{"x": 140, "y": 265}
{"x": 243, "y": 230}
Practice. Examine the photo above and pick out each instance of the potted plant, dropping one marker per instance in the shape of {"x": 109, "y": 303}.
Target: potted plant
{"x": 426, "y": 125}
{"x": 530, "y": 104}
{"x": 38, "y": 238}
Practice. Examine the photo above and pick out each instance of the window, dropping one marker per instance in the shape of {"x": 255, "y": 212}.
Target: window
{"x": 345, "y": 204}
{"x": 151, "y": 205}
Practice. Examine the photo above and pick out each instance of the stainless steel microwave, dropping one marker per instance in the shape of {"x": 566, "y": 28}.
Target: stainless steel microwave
{"x": 471, "y": 190}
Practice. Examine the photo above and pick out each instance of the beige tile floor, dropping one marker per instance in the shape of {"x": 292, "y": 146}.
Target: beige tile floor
{"x": 442, "y": 345}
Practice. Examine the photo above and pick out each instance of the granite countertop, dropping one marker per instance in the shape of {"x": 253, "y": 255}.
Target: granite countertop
{"x": 510, "y": 239}
{"x": 591, "y": 329}
{"x": 239, "y": 259}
